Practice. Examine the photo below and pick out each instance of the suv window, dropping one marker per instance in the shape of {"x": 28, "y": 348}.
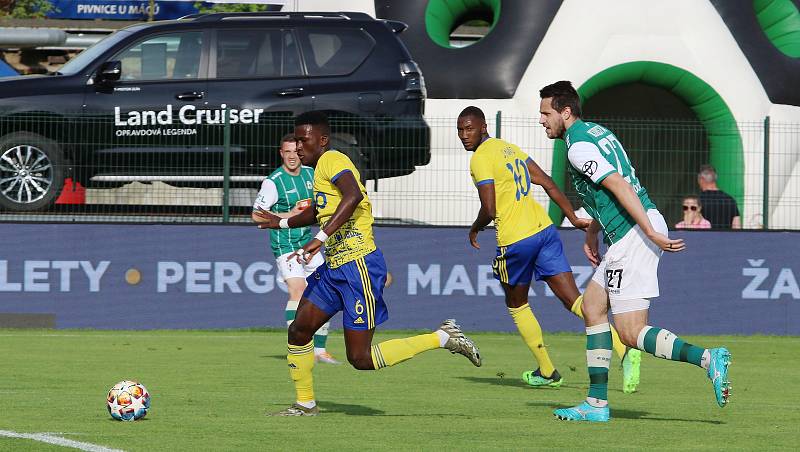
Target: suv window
{"x": 256, "y": 53}
{"x": 170, "y": 56}
{"x": 334, "y": 52}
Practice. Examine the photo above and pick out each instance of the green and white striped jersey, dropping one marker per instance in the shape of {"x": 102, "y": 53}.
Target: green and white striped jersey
{"x": 279, "y": 193}
{"x": 594, "y": 153}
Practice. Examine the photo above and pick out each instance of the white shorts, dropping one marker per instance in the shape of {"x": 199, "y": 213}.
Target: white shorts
{"x": 293, "y": 269}
{"x": 629, "y": 269}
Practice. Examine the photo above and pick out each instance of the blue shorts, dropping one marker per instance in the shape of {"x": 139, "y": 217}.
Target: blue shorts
{"x": 540, "y": 254}
{"x": 355, "y": 288}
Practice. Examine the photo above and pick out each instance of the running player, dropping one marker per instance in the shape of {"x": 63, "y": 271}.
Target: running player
{"x": 527, "y": 242}
{"x": 626, "y": 276}
{"x": 353, "y": 275}
{"x": 286, "y": 192}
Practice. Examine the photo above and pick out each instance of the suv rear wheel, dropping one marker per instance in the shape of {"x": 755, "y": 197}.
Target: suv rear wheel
{"x": 31, "y": 171}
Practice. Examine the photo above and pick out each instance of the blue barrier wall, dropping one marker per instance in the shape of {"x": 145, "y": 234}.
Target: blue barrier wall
{"x": 171, "y": 276}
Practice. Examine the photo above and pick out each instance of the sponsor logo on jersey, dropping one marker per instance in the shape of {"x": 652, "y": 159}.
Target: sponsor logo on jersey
{"x": 589, "y": 168}
{"x": 596, "y": 131}
{"x": 358, "y": 321}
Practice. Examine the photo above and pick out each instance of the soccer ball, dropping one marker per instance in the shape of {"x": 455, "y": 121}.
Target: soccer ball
{"x": 128, "y": 401}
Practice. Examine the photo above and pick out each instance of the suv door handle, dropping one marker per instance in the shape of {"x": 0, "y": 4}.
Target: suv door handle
{"x": 192, "y": 95}
{"x": 287, "y": 92}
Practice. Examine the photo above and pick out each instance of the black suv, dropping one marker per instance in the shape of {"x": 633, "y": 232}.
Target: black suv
{"x": 189, "y": 101}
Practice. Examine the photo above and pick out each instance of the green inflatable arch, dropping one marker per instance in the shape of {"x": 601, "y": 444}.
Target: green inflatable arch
{"x": 443, "y": 16}
{"x": 725, "y": 143}
{"x": 780, "y": 21}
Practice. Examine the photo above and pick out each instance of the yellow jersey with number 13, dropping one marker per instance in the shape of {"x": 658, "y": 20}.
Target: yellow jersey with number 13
{"x": 503, "y": 164}
{"x": 354, "y": 239}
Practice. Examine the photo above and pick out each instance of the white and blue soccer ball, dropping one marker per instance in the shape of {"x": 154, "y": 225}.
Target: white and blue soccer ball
{"x": 128, "y": 401}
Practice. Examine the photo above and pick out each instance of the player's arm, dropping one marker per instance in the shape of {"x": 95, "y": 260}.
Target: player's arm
{"x": 539, "y": 177}
{"x": 345, "y": 181}
{"x": 625, "y": 195}
{"x": 351, "y": 197}
{"x": 486, "y": 213}
{"x": 591, "y": 247}
{"x": 269, "y": 220}
{"x": 266, "y": 198}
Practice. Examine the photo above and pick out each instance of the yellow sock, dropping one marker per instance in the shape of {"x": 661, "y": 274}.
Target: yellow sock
{"x": 301, "y": 363}
{"x": 395, "y": 351}
{"x": 532, "y": 335}
{"x": 619, "y": 347}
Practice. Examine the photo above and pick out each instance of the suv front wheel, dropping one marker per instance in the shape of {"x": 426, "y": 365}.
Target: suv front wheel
{"x": 31, "y": 172}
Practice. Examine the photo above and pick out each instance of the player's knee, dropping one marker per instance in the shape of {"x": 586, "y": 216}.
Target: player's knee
{"x": 300, "y": 333}
{"x": 627, "y": 338}
{"x": 360, "y": 360}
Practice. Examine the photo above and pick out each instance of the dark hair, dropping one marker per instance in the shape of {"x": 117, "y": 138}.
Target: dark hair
{"x": 474, "y": 112}
{"x": 314, "y": 118}
{"x": 288, "y": 138}
{"x": 696, "y": 199}
{"x": 564, "y": 95}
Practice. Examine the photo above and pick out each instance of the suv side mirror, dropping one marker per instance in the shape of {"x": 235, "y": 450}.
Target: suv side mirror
{"x": 110, "y": 71}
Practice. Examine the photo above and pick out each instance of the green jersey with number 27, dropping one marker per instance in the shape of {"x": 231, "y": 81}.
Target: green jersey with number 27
{"x": 594, "y": 153}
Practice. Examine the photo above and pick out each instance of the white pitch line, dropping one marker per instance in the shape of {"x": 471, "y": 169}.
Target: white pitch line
{"x": 58, "y": 441}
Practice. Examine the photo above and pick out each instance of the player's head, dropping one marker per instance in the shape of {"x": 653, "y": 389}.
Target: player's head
{"x": 559, "y": 108}
{"x": 707, "y": 177}
{"x": 311, "y": 132}
{"x": 471, "y": 127}
{"x": 288, "y": 152}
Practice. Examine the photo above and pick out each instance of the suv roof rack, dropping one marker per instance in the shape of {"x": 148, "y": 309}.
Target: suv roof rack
{"x": 215, "y": 17}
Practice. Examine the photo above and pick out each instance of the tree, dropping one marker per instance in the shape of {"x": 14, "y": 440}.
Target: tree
{"x": 25, "y": 9}
{"x": 205, "y": 8}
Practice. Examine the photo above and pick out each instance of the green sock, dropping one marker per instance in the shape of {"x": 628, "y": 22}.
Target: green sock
{"x": 662, "y": 343}
{"x": 321, "y": 337}
{"x": 598, "y": 358}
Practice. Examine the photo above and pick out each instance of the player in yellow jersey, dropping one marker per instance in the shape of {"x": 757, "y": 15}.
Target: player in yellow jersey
{"x": 353, "y": 275}
{"x": 528, "y": 245}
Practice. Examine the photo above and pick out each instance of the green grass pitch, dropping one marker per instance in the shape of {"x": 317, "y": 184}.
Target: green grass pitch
{"x": 211, "y": 389}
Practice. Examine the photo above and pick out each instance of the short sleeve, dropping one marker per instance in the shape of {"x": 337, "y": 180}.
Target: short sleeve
{"x": 480, "y": 170}
{"x": 586, "y": 158}
{"x": 267, "y": 195}
{"x": 334, "y": 166}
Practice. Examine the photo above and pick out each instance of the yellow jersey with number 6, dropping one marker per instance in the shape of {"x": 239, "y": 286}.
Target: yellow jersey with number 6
{"x": 354, "y": 239}
{"x": 503, "y": 164}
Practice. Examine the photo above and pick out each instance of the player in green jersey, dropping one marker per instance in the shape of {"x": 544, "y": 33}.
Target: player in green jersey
{"x": 286, "y": 192}
{"x": 626, "y": 277}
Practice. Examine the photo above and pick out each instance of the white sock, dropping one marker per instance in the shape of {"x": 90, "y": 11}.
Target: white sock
{"x": 291, "y": 305}
{"x": 310, "y": 404}
{"x": 705, "y": 359}
{"x": 319, "y": 351}
{"x": 597, "y": 403}
{"x": 443, "y": 337}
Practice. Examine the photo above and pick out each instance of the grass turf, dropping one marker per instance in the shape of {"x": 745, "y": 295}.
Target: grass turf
{"x": 211, "y": 390}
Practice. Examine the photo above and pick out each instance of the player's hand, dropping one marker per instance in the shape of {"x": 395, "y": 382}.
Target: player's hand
{"x": 591, "y": 248}
{"x": 666, "y": 243}
{"x": 473, "y": 237}
{"x": 592, "y": 254}
{"x": 267, "y": 220}
{"x": 581, "y": 223}
{"x": 307, "y": 252}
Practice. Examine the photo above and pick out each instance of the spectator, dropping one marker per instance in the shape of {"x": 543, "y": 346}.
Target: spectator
{"x": 692, "y": 215}
{"x": 719, "y": 208}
